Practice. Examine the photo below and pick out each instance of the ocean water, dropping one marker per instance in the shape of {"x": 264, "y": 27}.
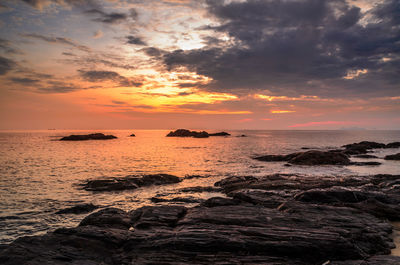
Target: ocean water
{"x": 40, "y": 175}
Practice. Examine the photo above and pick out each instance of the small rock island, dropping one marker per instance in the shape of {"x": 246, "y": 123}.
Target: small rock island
{"x": 188, "y": 133}
{"x": 93, "y": 136}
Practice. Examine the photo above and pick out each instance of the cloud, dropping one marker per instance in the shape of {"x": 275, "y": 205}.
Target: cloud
{"x": 6, "y": 47}
{"x": 6, "y": 65}
{"x": 135, "y": 40}
{"x": 111, "y": 18}
{"x": 56, "y": 87}
{"x": 299, "y": 47}
{"x": 99, "y": 76}
{"x": 42, "y": 4}
{"x": 58, "y": 40}
{"x": 24, "y": 80}
{"x": 98, "y": 34}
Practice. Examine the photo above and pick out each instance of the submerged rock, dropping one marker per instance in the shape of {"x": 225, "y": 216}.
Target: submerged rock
{"x": 132, "y": 135}
{"x": 393, "y": 157}
{"x": 78, "y": 209}
{"x": 93, "y": 136}
{"x": 129, "y": 182}
{"x": 187, "y": 133}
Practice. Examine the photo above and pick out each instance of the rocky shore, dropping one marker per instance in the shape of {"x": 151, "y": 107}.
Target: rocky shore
{"x": 272, "y": 219}
{"x": 275, "y": 219}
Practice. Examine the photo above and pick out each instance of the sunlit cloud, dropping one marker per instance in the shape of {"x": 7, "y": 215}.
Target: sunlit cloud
{"x": 281, "y": 111}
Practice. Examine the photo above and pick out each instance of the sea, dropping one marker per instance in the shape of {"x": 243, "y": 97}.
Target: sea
{"x": 40, "y": 175}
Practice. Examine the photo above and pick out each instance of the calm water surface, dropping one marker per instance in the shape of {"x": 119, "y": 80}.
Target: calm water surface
{"x": 39, "y": 175}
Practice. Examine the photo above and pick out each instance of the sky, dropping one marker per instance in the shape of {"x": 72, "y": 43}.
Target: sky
{"x": 200, "y": 64}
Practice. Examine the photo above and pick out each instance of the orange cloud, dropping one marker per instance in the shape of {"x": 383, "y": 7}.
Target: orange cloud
{"x": 281, "y": 111}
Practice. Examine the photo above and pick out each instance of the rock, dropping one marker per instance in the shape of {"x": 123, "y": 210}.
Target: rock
{"x": 109, "y": 217}
{"x": 272, "y": 158}
{"x": 312, "y": 157}
{"x": 157, "y": 216}
{"x": 187, "y": 133}
{"x": 320, "y": 158}
{"x": 393, "y": 157}
{"x": 220, "y": 201}
{"x": 366, "y": 145}
{"x": 219, "y": 134}
{"x": 393, "y": 145}
{"x": 319, "y": 219}
{"x": 200, "y": 189}
{"x": 132, "y": 135}
{"x": 129, "y": 182}
{"x": 242, "y": 135}
{"x": 78, "y": 209}
{"x": 157, "y": 199}
{"x": 365, "y": 156}
{"x": 369, "y": 163}
{"x": 94, "y": 136}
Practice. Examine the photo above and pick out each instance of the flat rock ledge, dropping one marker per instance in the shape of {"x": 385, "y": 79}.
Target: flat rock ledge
{"x": 129, "y": 182}
{"x": 93, "y": 136}
{"x": 276, "y": 219}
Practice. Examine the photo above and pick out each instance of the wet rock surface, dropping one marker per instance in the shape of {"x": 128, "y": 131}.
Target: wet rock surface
{"x": 275, "y": 219}
{"x": 78, "y": 209}
{"x": 129, "y": 182}
{"x": 93, "y": 136}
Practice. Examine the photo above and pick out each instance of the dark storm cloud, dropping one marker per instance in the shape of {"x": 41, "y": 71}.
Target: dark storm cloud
{"x": 99, "y": 76}
{"x": 6, "y": 65}
{"x": 58, "y": 40}
{"x": 287, "y": 46}
{"x": 134, "y": 40}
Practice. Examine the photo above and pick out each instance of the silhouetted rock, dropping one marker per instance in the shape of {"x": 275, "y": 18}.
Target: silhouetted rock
{"x": 93, "y": 136}
{"x": 393, "y": 157}
{"x": 200, "y": 189}
{"x": 365, "y": 156}
{"x": 78, "y": 209}
{"x": 109, "y": 217}
{"x": 176, "y": 199}
{"x": 132, "y": 135}
{"x": 312, "y": 157}
{"x": 187, "y": 133}
{"x": 129, "y": 182}
{"x": 368, "y": 163}
{"x": 242, "y": 135}
{"x": 365, "y": 145}
{"x": 220, "y": 201}
{"x": 393, "y": 145}
{"x": 219, "y": 134}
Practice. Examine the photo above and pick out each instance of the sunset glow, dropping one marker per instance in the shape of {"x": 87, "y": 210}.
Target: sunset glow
{"x": 101, "y": 62}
